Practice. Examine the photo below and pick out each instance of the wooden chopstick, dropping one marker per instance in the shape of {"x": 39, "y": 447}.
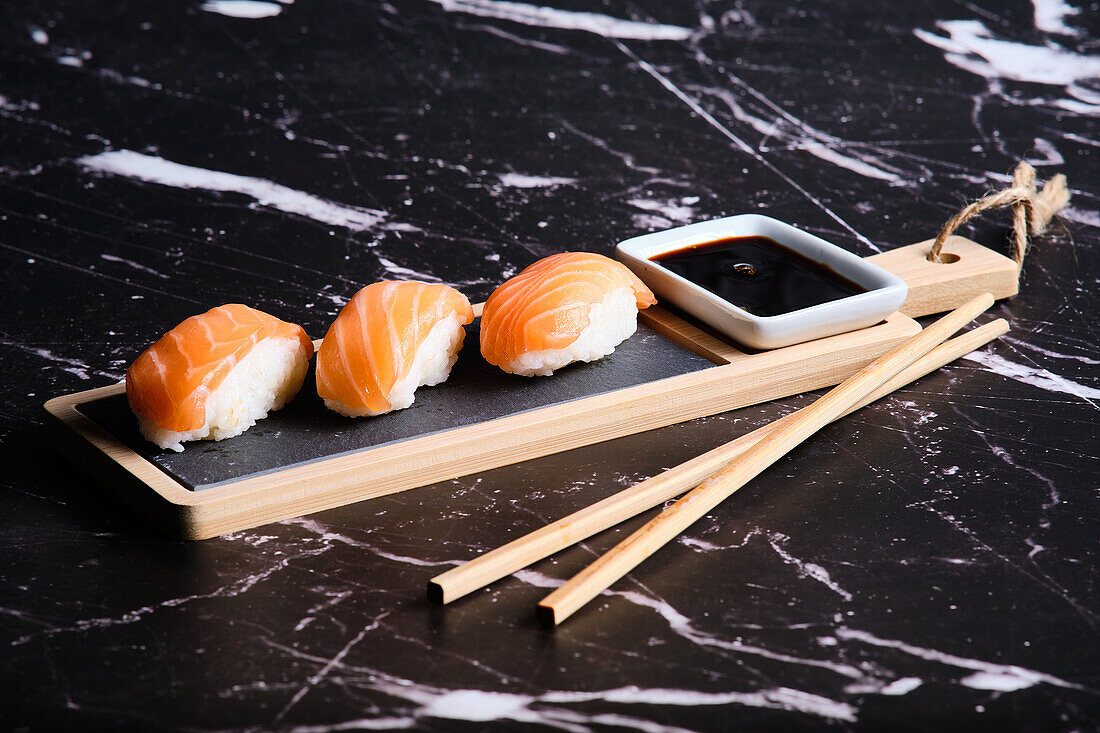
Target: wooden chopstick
{"x": 618, "y": 507}
{"x": 625, "y": 556}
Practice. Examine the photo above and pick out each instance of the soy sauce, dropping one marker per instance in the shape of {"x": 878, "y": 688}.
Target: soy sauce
{"x": 758, "y": 274}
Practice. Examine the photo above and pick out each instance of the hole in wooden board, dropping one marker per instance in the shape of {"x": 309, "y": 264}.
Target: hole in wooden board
{"x": 946, "y": 258}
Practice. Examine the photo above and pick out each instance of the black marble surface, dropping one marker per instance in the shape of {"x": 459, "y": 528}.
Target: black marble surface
{"x": 927, "y": 563}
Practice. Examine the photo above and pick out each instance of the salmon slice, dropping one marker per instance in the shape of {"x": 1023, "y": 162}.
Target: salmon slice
{"x": 169, "y": 382}
{"x": 376, "y": 346}
{"x": 547, "y": 306}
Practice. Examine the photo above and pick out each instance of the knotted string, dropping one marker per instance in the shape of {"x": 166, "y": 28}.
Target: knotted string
{"x": 1031, "y": 210}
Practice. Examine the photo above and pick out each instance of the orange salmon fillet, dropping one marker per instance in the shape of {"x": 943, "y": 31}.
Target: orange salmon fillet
{"x": 170, "y": 381}
{"x": 373, "y": 341}
{"x": 546, "y": 306}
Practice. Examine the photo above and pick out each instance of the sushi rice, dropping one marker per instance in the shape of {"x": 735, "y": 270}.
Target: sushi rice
{"x": 262, "y": 382}
{"x": 431, "y": 365}
{"x": 611, "y": 321}
{"x": 568, "y": 307}
{"x": 392, "y": 337}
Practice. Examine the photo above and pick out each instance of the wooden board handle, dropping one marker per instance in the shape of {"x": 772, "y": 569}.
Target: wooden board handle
{"x": 968, "y": 270}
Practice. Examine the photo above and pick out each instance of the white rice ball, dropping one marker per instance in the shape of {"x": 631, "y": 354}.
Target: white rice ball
{"x": 431, "y": 365}
{"x": 264, "y": 380}
{"x": 610, "y": 322}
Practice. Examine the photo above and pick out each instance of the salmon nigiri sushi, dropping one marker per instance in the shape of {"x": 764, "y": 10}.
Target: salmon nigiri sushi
{"x": 391, "y": 337}
{"x": 214, "y": 375}
{"x": 574, "y": 306}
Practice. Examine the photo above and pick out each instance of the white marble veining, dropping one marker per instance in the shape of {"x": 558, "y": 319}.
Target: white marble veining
{"x": 154, "y": 169}
{"x": 523, "y": 180}
{"x": 243, "y": 8}
{"x": 1035, "y": 376}
{"x": 972, "y": 46}
{"x": 927, "y": 562}
{"x": 549, "y": 17}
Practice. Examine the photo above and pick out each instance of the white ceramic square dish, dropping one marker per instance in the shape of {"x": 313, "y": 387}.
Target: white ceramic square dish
{"x": 885, "y": 292}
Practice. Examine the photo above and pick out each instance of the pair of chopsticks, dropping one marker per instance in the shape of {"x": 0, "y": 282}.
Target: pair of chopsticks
{"x": 716, "y": 475}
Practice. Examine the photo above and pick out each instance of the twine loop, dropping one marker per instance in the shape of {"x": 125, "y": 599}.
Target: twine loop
{"x": 1031, "y": 210}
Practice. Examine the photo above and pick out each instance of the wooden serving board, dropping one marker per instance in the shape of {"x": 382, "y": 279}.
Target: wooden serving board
{"x": 304, "y": 458}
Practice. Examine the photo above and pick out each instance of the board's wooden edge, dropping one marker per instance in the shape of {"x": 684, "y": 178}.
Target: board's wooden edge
{"x": 143, "y": 485}
{"x": 429, "y": 459}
